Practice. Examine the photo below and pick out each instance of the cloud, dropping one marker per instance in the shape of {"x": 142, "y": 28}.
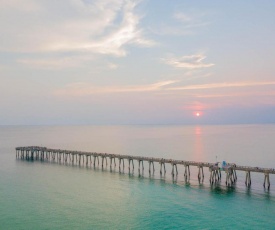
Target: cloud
{"x": 236, "y": 94}
{"x": 20, "y": 5}
{"x": 56, "y": 62}
{"x": 223, "y": 85}
{"x": 191, "y": 20}
{"x": 182, "y": 17}
{"x": 188, "y": 62}
{"x": 101, "y": 26}
{"x": 82, "y": 89}
{"x": 60, "y": 63}
{"x": 112, "y": 65}
{"x": 183, "y": 24}
{"x": 197, "y": 106}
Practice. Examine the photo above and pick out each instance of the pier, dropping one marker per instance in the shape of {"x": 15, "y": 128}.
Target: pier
{"x": 94, "y": 158}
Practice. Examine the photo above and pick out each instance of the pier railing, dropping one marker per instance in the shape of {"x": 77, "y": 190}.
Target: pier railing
{"x": 43, "y": 153}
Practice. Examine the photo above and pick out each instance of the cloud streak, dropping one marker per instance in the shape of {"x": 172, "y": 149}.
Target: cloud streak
{"x": 238, "y": 94}
{"x": 84, "y": 89}
{"x": 188, "y": 62}
{"x": 183, "y": 24}
{"x": 52, "y": 63}
{"x": 223, "y": 85}
{"x": 182, "y": 17}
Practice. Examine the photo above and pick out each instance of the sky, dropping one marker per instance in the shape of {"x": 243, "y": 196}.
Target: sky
{"x": 137, "y": 62}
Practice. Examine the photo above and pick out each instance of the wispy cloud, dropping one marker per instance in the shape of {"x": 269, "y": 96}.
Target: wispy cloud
{"x": 191, "y": 20}
{"x": 182, "y": 17}
{"x": 188, "y": 62}
{"x": 20, "y": 5}
{"x": 197, "y": 106}
{"x": 222, "y": 85}
{"x": 82, "y": 89}
{"x": 236, "y": 94}
{"x": 186, "y": 23}
{"x": 60, "y": 63}
{"x": 101, "y": 26}
{"x": 126, "y": 32}
{"x": 56, "y": 62}
{"x": 112, "y": 65}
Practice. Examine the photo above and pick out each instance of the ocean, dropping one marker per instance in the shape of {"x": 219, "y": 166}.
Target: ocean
{"x": 49, "y": 195}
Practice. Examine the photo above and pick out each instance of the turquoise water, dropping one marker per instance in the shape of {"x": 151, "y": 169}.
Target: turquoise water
{"x": 43, "y": 195}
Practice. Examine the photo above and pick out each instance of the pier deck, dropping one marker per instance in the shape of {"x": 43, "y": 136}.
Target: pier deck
{"x": 31, "y": 152}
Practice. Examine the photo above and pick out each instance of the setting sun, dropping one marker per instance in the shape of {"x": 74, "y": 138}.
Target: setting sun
{"x": 197, "y": 114}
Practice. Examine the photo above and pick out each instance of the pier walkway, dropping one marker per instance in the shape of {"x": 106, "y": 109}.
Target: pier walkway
{"x": 78, "y": 157}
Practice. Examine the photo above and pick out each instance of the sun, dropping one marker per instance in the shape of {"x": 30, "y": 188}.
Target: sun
{"x": 197, "y": 114}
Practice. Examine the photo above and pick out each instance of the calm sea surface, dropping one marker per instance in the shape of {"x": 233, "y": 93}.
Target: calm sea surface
{"x": 48, "y": 195}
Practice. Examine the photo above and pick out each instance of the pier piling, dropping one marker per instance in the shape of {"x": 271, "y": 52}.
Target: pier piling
{"x": 266, "y": 180}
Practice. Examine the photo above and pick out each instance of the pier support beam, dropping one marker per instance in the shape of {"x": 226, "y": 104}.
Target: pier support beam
{"x": 79, "y": 159}
{"x": 111, "y": 161}
{"x": 53, "y": 156}
{"x": 140, "y": 161}
{"x": 162, "y": 165}
{"x": 96, "y": 158}
{"x": 174, "y": 166}
{"x": 229, "y": 177}
{"x": 86, "y": 160}
{"x": 266, "y": 180}
{"x": 187, "y": 172}
{"x": 121, "y": 160}
{"x": 200, "y": 174}
{"x": 65, "y": 158}
{"x": 234, "y": 175}
{"x": 248, "y": 179}
{"x": 129, "y": 164}
{"x": 102, "y": 161}
{"x": 151, "y": 163}
{"x": 213, "y": 175}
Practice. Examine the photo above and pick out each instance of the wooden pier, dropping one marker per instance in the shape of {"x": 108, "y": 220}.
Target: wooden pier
{"x": 93, "y": 158}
